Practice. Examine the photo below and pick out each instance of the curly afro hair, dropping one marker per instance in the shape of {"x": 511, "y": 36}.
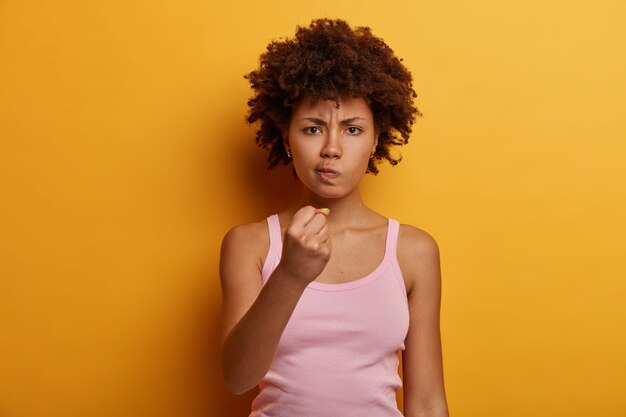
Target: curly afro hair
{"x": 325, "y": 61}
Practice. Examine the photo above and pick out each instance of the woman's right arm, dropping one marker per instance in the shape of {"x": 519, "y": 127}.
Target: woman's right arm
{"x": 254, "y": 316}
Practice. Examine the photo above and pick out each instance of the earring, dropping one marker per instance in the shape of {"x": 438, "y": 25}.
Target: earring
{"x": 288, "y": 154}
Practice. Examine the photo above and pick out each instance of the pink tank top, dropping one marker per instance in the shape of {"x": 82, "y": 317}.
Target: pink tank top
{"x": 338, "y": 355}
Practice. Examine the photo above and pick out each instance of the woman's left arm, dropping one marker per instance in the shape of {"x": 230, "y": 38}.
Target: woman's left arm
{"x": 422, "y": 365}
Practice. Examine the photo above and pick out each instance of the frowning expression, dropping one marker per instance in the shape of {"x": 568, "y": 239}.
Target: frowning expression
{"x": 331, "y": 146}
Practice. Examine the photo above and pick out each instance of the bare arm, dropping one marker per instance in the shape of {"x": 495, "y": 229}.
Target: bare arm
{"x": 249, "y": 347}
{"x": 254, "y": 316}
{"x": 424, "y": 392}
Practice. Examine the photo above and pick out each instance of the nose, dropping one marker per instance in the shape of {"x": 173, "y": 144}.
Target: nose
{"x": 332, "y": 147}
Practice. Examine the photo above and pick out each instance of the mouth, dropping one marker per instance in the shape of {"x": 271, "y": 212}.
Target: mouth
{"x": 327, "y": 173}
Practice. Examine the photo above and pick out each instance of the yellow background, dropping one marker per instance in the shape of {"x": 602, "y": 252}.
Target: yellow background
{"x": 125, "y": 158}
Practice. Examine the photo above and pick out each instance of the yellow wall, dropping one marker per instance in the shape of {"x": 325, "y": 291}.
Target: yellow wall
{"x": 124, "y": 158}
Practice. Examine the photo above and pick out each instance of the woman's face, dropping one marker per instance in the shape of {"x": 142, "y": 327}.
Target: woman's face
{"x": 331, "y": 146}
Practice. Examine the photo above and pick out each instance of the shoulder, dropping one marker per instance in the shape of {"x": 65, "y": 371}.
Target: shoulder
{"x": 416, "y": 241}
{"x": 418, "y": 256}
{"x": 246, "y": 240}
{"x": 246, "y": 233}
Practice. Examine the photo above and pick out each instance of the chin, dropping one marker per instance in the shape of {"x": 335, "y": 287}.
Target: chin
{"x": 328, "y": 195}
{"x": 328, "y": 192}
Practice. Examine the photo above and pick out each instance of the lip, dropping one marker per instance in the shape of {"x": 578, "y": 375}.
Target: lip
{"x": 326, "y": 173}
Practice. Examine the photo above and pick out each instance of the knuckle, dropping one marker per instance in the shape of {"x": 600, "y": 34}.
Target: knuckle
{"x": 311, "y": 245}
{"x": 294, "y": 233}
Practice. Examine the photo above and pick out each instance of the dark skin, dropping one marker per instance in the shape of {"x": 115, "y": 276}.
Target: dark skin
{"x": 334, "y": 247}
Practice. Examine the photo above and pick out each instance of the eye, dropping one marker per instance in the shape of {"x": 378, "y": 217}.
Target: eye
{"x": 311, "y": 130}
{"x": 353, "y": 130}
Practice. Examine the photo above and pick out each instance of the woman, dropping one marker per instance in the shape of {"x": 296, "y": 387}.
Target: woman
{"x": 319, "y": 299}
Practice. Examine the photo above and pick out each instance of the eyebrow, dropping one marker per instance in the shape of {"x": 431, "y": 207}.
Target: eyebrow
{"x": 322, "y": 122}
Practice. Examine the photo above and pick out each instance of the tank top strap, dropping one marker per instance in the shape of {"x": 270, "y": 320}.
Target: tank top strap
{"x": 391, "y": 250}
{"x": 275, "y": 249}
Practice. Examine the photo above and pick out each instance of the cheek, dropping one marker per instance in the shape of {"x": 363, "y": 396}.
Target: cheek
{"x": 300, "y": 165}
{"x": 359, "y": 155}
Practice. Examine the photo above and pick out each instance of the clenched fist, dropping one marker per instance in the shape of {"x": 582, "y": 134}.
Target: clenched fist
{"x": 307, "y": 246}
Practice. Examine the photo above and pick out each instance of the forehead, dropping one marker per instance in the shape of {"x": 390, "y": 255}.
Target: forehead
{"x": 348, "y": 107}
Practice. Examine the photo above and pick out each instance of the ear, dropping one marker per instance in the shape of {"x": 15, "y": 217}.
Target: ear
{"x": 285, "y": 136}
{"x": 376, "y": 134}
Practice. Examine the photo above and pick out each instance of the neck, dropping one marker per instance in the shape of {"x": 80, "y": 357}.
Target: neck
{"x": 344, "y": 211}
